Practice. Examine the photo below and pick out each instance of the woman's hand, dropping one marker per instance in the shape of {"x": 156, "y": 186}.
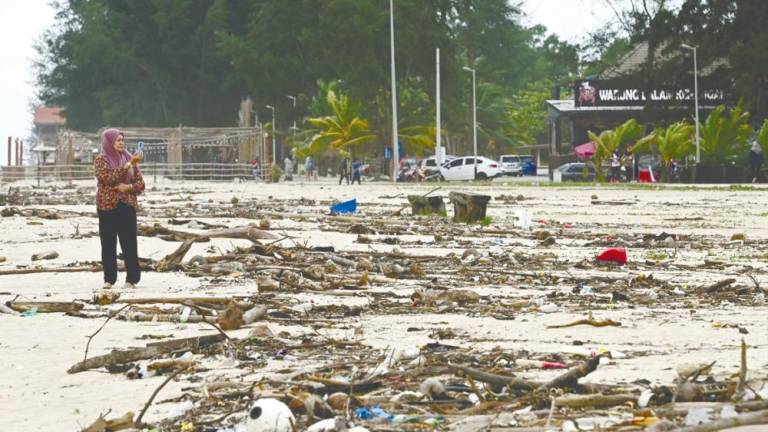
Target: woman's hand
{"x": 122, "y": 187}
{"x": 136, "y": 158}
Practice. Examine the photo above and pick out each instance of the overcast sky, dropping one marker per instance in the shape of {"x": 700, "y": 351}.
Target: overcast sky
{"x": 570, "y": 19}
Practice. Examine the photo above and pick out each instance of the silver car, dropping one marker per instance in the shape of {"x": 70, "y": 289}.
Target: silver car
{"x": 511, "y": 165}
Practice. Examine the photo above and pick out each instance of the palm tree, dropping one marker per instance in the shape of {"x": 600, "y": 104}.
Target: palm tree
{"x": 725, "y": 135}
{"x": 418, "y": 139}
{"x": 610, "y": 141}
{"x": 672, "y": 143}
{"x": 339, "y": 132}
{"x": 762, "y": 137}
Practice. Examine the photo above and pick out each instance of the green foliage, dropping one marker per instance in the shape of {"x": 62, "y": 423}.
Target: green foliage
{"x": 275, "y": 173}
{"x": 339, "y": 132}
{"x": 165, "y": 63}
{"x": 673, "y": 143}
{"x": 725, "y": 135}
{"x": 527, "y": 116}
{"x": 656, "y": 255}
{"x": 613, "y": 140}
{"x": 762, "y": 137}
{"x": 418, "y": 139}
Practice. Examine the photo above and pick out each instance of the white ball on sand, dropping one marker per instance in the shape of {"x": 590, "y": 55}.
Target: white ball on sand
{"x": 269, "y": 415}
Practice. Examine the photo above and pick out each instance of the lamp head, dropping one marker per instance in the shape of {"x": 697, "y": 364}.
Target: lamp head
{"x": 468, "y": 69}
{"x": 270, "y": 107}
{"x": 686, "y": 46}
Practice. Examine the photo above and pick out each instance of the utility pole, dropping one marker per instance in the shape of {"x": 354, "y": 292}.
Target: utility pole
{"x": 474, "y": 116}
{"x": 438, "y": 131}
{"x": 274, "y": 143}
{"x": 696, "y": 99}
{"x": 395, "y": 152}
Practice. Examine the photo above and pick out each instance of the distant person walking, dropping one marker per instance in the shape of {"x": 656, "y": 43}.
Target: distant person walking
{"x": 255, "y": 169}
{"x": 356, "y": 174}
{"x": 309, "y": 166}
{"x": 615, "y": 167}
{"x": 288, "y": 165}
{"x": 627, "y": 166}
{"x": 119, "y": 183}
{"x": 344, "y": 170}
{"x": 755, "y": 161}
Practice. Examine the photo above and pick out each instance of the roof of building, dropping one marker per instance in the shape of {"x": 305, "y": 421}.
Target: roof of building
{"x": 633, "y": 61}
{"x": 49, "y": 116}
{"x": 568, "y": 105}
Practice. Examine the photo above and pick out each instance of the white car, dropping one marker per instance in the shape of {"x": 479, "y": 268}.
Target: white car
{"x": 511, "y": 165}
{"x": 463, "y": 168}
{"x": 429, "y": 164}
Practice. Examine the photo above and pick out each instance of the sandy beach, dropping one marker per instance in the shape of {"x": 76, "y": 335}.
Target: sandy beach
{"x": 673, "y": 327}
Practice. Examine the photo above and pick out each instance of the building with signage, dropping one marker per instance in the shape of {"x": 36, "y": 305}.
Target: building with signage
{"x": 622, "y": 92}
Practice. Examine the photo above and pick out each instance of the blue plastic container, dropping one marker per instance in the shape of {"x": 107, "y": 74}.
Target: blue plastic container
{"x": 346, "y": 207}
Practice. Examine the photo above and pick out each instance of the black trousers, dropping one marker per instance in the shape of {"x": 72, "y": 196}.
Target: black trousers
{"x": 119, "y": 223}
{"x": 343, "y": 175}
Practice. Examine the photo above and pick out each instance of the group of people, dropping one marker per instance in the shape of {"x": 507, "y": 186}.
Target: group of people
{"x": 622, "y": 167}
{"x": 356, "y": 171}
{"x": 310, "y": 168}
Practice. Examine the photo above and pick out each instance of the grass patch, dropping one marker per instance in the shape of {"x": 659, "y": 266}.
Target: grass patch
{"x": 485, "y": 221}
{"x": 656, "y": 255}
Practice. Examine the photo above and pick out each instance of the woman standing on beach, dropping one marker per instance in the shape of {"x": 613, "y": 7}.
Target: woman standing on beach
{"x": 119, "y": 183}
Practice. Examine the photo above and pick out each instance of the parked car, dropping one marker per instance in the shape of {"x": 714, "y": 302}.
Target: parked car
{"x": 575, "y": 171}
{"x": 510, "y": 165}
{"x": 463, "y": 168}
{"x": 429, "y": 164}
{"x": 528, "y": 165}
{"x": 430, "y": 168}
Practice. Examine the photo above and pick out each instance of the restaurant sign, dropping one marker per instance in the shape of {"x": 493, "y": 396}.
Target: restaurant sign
{"x": 594, "y": 93}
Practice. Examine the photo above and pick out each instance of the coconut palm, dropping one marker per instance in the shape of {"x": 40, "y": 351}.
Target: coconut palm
{"x": 339, "y": 132}
{"x": 725, "y": 135}
{"x": 610, "y": 141}
{"x": 417, "y": 139}
{"x": 672, "y": 143}
{"x": 762, "y": 137}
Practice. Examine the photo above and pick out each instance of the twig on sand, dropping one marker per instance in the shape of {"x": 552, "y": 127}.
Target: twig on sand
{"x": 154, "y": 394}
{"x": 90, "y": 338}
{"x": 590, "y": 321}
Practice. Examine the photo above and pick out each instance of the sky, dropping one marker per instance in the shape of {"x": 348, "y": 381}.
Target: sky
{"x": 569, "y": 19}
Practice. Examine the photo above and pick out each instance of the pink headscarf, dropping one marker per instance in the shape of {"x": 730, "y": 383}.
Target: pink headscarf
{"x": 114, "y": 158}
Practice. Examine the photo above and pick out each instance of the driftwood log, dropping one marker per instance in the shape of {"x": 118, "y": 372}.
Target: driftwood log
{"x": 95, "y": 268}
{"x": 752, "y": 418}
{"x": 571, "y": 378}
{"x": 46, "y": 307}
{"x": 594, "y": 400}
{"x": 494, "y": 379}
{"x": 172, "y": 261}
{"x": 422, "y": 205}
{"x": 468, "y": 207}
{"x": 245, "y": 232}
{"x": 150, "y": 351}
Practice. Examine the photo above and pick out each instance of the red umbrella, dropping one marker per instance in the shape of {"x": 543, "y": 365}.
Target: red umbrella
{"x": 585, "y": 151}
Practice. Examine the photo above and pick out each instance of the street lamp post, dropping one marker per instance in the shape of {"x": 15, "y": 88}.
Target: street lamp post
{"x": 474, "y": 115}
{"x": 274, "y": 146}
{"x": 293, "y": 98}
{"x": 696, "y": 100}
{"x": 395, "y": 152}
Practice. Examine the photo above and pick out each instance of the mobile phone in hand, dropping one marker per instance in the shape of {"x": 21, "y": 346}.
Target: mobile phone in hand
{"x": 141, "y": 146}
